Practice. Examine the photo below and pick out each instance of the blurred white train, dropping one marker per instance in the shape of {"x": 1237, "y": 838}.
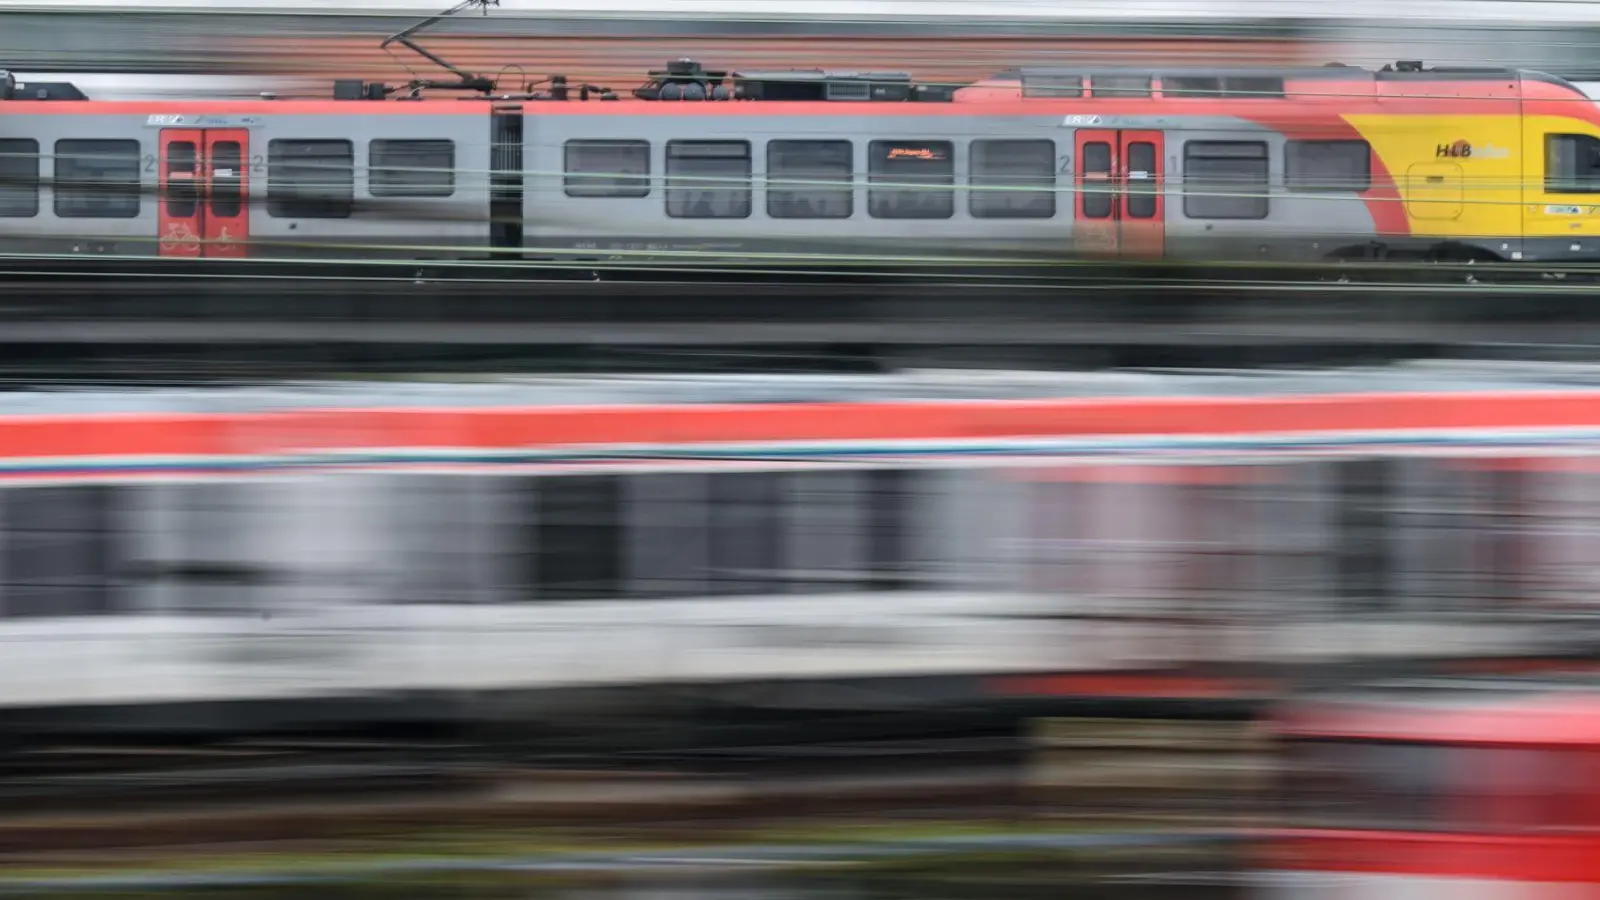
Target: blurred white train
{"x": 297, "y": 600}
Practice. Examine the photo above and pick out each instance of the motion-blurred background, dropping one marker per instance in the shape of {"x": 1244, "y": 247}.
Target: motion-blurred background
{"x": 345, "y": 610}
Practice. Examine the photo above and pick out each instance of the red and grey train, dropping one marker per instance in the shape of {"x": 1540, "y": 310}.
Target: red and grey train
{"x": 1304, "y": 164}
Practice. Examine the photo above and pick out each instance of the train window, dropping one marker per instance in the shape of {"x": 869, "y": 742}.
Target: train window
{"x": 708, "y": 179}
{"x": 1189, "y": 86}
{"x": 607, "y": 169}
{"x": 310, "y": 179}
{"x": 1141, "y": 165}
{"x": 911, "y": 180}
{"x": 1051, "y": 86}
{"x": 746, "y": 552}
{"x": 97, "y": 179}
{"x": 19, "y": 178}
{"x": 577, "y": 521}
{"x": 58, "y": 550}
{"x": 1013, "y": 179}
{"x": 183, "y": 179}
{"x": 821, "y": 186}
{"x": 1572, "y": 164}
{"x": 1252, "y": 86}
{"x": 412, "y": 168}
{"x": 1095, "y": 166}
{"x": 1121, "y": 85}
{"x": 1327, "y": 166}
{"x": 1225, "y": 180}
{"x": 227, "y": 178}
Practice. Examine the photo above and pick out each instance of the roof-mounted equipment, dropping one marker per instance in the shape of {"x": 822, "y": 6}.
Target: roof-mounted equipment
{"x": 687, "y": 79}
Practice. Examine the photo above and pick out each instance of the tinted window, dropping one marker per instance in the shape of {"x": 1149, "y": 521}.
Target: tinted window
{"x": 183, "y": 179}
{"x": 58, "y": 547}
{"x": 1121, "y": 85}
{"x": 97, "y": 179}
{"x": 911, "y": 180}
{"x": 708, "y": 179}
{"x": 809, "y": 180}
{"x": 1013, "y": 179}
{"x": 1044, "y": 86}
{"x": 1097, "y": 189}
{"x": 1327, "y": 165}
{"x": 310, "y": 179}
{"x": 227, "y": 178}
{"x": 19, "y": 178}
{"x": 607, "y": 168}
{"x": 1225, "y": 180}
{"x": 1141, "y": 176}
{"x": 1189, "y": 86}
{"x": 412, "y": 168}
{"x": 1572, "y": 164}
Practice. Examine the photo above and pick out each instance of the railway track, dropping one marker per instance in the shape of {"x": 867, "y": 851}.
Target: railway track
{"x": 136, "y": 798}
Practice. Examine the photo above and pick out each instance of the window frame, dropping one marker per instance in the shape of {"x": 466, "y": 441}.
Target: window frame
{"x": 673, "y": 200}
{"x": 975, "y": 181}
{"x": 276, "y": 205}
{"x": 1309, "y": 186}
{"x": 379, "y": 186}
{"x": 1552, "y": 181}
{"x": 592, "y": 191}
{"x": 1189, "y": 181}
{"x": 847, "y": 187}
{"x": 877, "y": 156}
{"x": 24, "y": 185}
{"x": 73, "y": 188}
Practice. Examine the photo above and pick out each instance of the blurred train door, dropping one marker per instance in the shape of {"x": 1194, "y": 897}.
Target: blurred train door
{"x": 1120, "y": 210}
{"x": 204, "y": 192}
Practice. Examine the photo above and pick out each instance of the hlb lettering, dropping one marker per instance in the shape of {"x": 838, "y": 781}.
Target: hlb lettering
{"x": 1457, "y": 150}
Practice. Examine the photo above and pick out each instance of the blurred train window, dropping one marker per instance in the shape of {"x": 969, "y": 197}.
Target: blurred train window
{"x": 607, "y": 169}
{"x": 747, "y": 534}
{"x": 1120, "y": 85}
{"x": 310, "y": 179}
{"x": 97, "y": 179}
{"x": 578, "y": 525}
{"x": 1225, "y": 180}
{"x": 1013, "y": 179}
{"x": 911, "y": 180}
{"x": 1049, "y": 85}
{"x": 1190, "y": 86}
{"x": 821, "y": 173}
{"x": 19, "y": 178}
{"x": 1572, "y": 164}
{"x": 227, "y": 178}
{"x": 1367, "y": 537}
{"x": 668, "y": 534}
{"x": 892, "y": 523}
{"x": 1327, "y": 166}
{"x": 1257, "y": 86}
{"x": 708, "y": 179}
{"x": 59, "y": 547}
{"x": 412, "y": 168}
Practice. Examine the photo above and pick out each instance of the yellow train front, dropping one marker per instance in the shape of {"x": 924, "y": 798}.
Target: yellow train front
{"x": 701, "y": 166}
